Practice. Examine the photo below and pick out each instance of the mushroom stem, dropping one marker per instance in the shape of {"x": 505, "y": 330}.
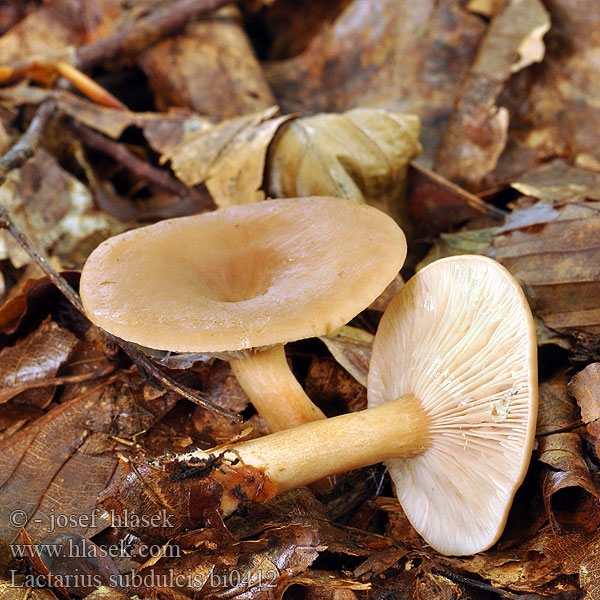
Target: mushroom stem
{"x": 308, "y": 453}
{"x": 274, "y": 391}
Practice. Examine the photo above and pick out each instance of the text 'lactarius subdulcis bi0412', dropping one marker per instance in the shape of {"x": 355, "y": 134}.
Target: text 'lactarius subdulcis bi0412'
{"x": 242, "y": 281}
{"x": 452, "y": 408}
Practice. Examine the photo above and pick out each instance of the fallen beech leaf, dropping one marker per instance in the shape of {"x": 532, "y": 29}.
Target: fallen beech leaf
{"x": 54, "y": 26}
{"x": 210, "y": 68}
{"x": 575, "y": 553}
{"x": 548, "y": 250}
{"x": 106, "y": 593}
{"x": 409, "y": 57}
{"x": 228, "y": 158}
{"x": 52, "y": 207}
{"x": 437, "y": 205}
{"x": 41, "y": 466}
{"x": 585, "y": 388}
{"x": 362, "y": 154}
{"x": 351, "y": 347}
{"x": 553, "y": 106}
{"x": 36, "y": 358}
{"x": 477, "y": 132}
{"x": 558, "y": 181}
{"x": 475, "y": 241}
{"x": 561, "y": 450}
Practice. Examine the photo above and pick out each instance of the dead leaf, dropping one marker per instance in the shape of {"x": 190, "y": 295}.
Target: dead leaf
{"x": 548, "y": 250}
{"x": 41, "y": 466}
{"x": 336, "y": 390}
{"x": 477, "y": 132}
{"x": 362, "y": 154}
{"x": 351, "y": 347}
{"x": 228, "y": 158}
{"x": 34, "y": 359}
{"x": 437, "y": 205}
{"x": 553, "y": 106}
{"x": 559, "y": 182}
{"x": 52, "y": 207}
{"x": 210, "y": 68}
{"x": 402, "y": 57}
{"x": 585, "y": 388}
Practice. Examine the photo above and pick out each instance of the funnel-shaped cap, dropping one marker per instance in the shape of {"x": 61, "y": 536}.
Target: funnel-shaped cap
{"x": 242, "y": 277}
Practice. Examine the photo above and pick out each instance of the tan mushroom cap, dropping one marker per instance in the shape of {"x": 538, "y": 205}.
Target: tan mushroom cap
{"x": 242, "y": 277}
{"x": 460, "y": 338}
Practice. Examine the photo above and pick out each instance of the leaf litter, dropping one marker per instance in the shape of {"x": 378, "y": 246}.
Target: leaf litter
{"x": 235, "y": 108}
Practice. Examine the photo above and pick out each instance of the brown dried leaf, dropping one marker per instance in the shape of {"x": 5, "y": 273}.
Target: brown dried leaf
{"x": 477, "y": 132}
{"x": 41, "y": 467}
{"x": 210, "y": 68}
{"x": 52, "y": 207}
{"x": 336, "y": 390}
{"x": 548, "y": 250}
{"x": 56, "y": 25}
{"x": 408, "y": 57}
{"x": 553, "y": 106}
{"x": 585, "y": 388}
{"x": 576, "y": 553}
{"x": 362, "y": 154}
{"x": 556, "y": 410}
{"x": 36, "y": 358}
{"x": 351, "y": 347}
{"x": 106, "y": 593}
{"x": 437, "y": 205}
{"x": 559, "y": 182}
{"x": 228, "y": 158}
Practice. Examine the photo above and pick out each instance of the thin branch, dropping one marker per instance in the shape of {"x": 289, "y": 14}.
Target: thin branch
{"x": 15, "y": 158}
{"x": 139, "y": 168}
{"x": 29, "y": 141}
{"x": 145, "y": 31}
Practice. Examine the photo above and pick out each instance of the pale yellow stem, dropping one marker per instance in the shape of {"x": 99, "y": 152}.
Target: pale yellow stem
{"x": 274, "y": 391}
{"x": 310, "y": 452}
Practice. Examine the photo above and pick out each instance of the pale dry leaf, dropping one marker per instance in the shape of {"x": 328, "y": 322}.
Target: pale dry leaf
{"x": 362, "y": 154}
{"x": 228, "y": 158}
{"x": 351, "y": 347}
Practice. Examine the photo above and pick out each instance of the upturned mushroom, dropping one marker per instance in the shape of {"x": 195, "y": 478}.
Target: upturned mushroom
{"x": 452, "y": 408}
{"x": 243, "y": 281}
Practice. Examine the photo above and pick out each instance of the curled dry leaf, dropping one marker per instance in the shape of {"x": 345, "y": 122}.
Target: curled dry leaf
{"x": 228, "y": 158}
{"x": 561, "y": 451}
{"x": 34, "y": 359}
{"x": 362, "y": 154}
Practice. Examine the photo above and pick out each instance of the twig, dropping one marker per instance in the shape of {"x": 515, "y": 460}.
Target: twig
{"x": 130, "y": 161}
{"x": 13, "y": 159}
{"x": 29, "y": 141}
{"x": 477, "y": 584}
{"x": 145, "y": 31}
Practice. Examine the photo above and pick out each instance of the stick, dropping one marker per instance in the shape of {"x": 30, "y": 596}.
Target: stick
{"x": 15, "y": 158}
{"x": 145, "y": 31}
{"x": 130, "y": 161}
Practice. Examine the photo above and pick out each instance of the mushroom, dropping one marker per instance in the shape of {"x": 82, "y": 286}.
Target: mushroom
{"x": 243, "y": 281}
{"x": 452, "y": 408}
